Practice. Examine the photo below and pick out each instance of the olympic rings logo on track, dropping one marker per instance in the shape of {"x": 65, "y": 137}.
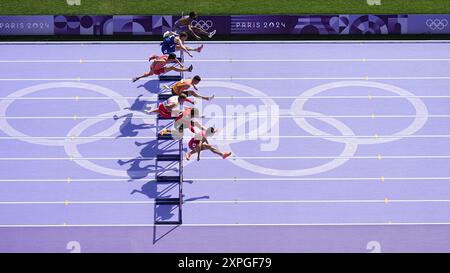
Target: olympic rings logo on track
{"x": 437, "y": 24}
{"x": 350, "y": 140}
{"x": 205, "y": 25}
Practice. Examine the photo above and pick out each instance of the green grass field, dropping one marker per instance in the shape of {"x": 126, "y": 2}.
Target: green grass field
{"x": 221, "y": 7}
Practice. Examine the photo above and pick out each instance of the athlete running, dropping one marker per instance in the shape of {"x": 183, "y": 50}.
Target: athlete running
{"x": 184, "y": 24}
{"x": 182, "y": 86}
{"x": 200, "y": 143}
{"x": 159, "y": 66}
{"x": 173, "y": 42}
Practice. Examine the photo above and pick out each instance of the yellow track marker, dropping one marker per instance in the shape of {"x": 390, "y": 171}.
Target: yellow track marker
{"x": 364, "y": 60}
{"x": 71, "y": 158}
{"x": 379, "y": 156}
{"x": 66, "y": 202}
{"x": 69, "y": 180}
{"x": 382, "y": 179}
{"x": 81, "y": 61}
{"x": 386, "y": 200}
{"x": 370, "y": 97}
{"x": 366, "y": 78}
{"x": 376, "y": 136}
{"x": 77, "y": 98}
{"x": 75, "y": 117}
{"x": 64, "y": 224}
{"x": 373, "y": 116}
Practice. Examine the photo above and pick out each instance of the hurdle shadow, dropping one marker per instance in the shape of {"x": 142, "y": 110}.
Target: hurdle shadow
{"x": 159, "y": 212}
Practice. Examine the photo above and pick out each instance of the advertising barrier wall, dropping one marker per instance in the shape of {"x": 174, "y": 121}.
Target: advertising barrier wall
{"x": 225, "y": 25}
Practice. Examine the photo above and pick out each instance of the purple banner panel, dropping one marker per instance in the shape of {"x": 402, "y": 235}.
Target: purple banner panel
{"x": 132, "y": 25}
{"x": 252, "y": 24}
{"x": 225, "y": 25}
{"x": 429, "y": 24}
{"x": 209, "y": 23}
{"x": 161, "y": 24}
{"x": 26, "y": 25}
{"x": 83, "y": 25}
{"x": 351, "y": 24}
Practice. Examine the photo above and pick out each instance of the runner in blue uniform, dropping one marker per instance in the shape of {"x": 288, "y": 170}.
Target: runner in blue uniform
{"x": 173, "y": 43}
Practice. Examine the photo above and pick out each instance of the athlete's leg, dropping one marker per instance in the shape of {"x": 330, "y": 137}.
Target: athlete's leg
{"x": 177, "y": 69}
{"x": 147, "y": 74}
{"x": 198, "y": 49}
{"x": 199, "y": 31}
{"x": 192, "y": 152}
{"x": 215, "y": 150}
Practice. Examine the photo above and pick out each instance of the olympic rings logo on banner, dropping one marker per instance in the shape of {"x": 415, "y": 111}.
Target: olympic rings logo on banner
{"x": 350, "y": 140}
{"x": 205, "y": 25}
{"x": 437, "y": 24}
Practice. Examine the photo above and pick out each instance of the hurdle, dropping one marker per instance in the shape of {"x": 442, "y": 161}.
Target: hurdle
{"x": 169, "y": 158}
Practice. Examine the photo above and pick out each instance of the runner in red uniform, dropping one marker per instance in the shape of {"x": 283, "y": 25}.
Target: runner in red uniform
{"x": 185, "y": 119}
{"x": 200, "y": 143}
{"x": 167, "y": 108}
{"x": 159, "y": 65}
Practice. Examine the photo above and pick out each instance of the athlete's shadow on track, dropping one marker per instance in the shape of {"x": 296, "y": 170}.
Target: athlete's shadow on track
{"x": 144, "y": 165}
{"x": 152, "y": 86}
{"x": 130, "y": 129}
{"x": 139, "y": 105}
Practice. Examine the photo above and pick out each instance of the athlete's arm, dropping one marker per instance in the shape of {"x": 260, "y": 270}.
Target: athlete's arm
{"x": 159, "y": 61}
{"x": 171, "y": 105}
{"x": 180, "y": 43}
{"x": 188, "y": 100}
{"x": 179, "y": 63}
{"x": 193, "y": 32}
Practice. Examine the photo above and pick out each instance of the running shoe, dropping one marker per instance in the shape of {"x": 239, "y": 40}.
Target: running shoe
{"x": 163, "y": 131}
{"x": 226, "y": 154}
{"x": 190, "y": 68}
{"x": 211, "y": 34}
{"x": 134, "y": 79}
{"x": 199, "y": 49}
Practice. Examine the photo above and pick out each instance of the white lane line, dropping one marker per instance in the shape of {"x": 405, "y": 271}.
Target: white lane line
{"x": 331, "y": 60}
{"x": 320, "y": 179}
{"x": 241, "y": 179}
{"x": 241, "y": 138}
{"x": 68, "y": 202}
{"x": 377, "y": 157}
{"x": 232, "y": 97}
{"x": 283, "y": 42}
{"x": 350, "y": 224}
{"x": 372, "y": 116}
{"x": 243, "y": 78}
